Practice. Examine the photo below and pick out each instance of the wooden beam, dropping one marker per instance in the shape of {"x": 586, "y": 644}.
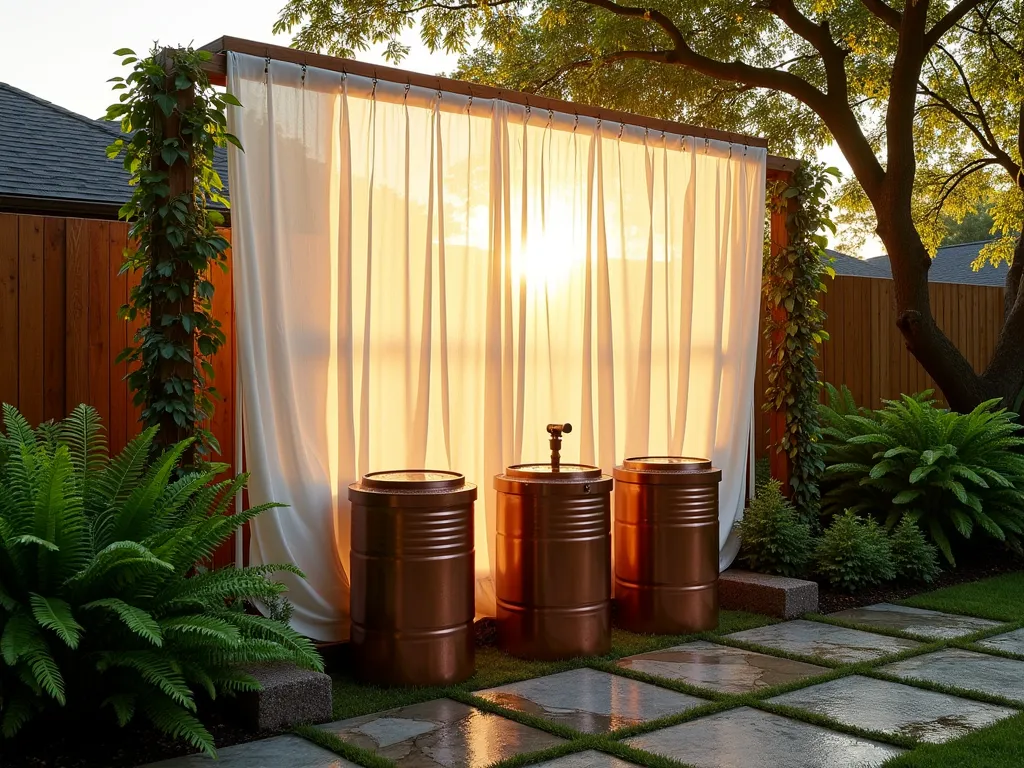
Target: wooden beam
{"x": 217, "y": 67}
{"x": 778, "y": 241}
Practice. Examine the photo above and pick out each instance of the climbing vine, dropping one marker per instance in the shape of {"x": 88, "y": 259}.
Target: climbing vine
{"x": 795, "y": 324}
{"x": 172, "y": 120}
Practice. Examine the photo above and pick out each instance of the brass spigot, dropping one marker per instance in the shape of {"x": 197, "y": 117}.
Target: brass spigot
{"x": 556, "y": 431}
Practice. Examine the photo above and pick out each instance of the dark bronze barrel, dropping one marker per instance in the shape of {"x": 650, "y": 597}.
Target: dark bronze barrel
{"x": 554, "y": 561}
{"x": 666, "y": 544}
{"x": 412, "y": 577}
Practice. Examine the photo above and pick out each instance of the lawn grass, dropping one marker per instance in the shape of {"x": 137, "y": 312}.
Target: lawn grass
{"x": 1000, "y": 746}
{"x": 1000, "y": 598}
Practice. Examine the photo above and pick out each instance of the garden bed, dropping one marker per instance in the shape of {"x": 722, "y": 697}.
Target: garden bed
{"x": 972, "y": 566}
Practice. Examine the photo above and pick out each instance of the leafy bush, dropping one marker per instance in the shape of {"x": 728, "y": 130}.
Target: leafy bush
{"x": 774, "y": 539}
{"x": 912, "y": 556}
{"x": 854, "y": 553}
{"x": 101, "y": 606}
{"x": 949, "y": 472}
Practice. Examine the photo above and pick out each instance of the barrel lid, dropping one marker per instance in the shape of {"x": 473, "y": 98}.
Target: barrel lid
{"x": 547, "y": 472}
{"x": 666, "y": 464}
{"x": 413, "y": 480}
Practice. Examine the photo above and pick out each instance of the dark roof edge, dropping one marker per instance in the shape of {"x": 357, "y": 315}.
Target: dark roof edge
{"x": 58, "y": 206}
{"x": 67, "y": 208}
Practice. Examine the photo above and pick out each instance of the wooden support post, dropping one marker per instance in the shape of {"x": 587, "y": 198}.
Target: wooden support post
{"x": 180, "y": 182}
{"x": 778, "y": 241}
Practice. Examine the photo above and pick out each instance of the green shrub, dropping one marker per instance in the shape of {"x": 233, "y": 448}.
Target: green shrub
{"x": 949, "y": 472}
{"x": 854, "y": 553}
{"x": 101, "y": 605}
{"x": 774, "y": 539}
{"x": 912, "y": 556}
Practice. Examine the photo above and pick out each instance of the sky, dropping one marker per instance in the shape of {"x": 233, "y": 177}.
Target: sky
{"x": 62, "y": 50}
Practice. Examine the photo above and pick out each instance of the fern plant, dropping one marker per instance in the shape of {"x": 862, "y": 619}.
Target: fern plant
{"x": 101, "y": 606}
{"x": 950, "y": 473}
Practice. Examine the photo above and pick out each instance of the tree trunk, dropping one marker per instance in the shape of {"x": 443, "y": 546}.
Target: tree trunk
{"x": 1005, "y": 372}
{"x": 909, "y": 260}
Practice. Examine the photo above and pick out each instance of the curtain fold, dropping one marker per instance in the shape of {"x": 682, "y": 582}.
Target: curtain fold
{"x": 427, "y": 279}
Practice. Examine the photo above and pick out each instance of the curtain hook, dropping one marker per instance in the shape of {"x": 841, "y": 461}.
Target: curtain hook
{"x": 266, "y": 66}
{"x": 373, "y": 86}
{"x": 622, "y": 127}
{"x": 469, "y": 104}
{"x": 576, "y": 121}
{"x": 707, "y": 144}
{"x": 303, "y": 75}
{"x": 405, "y": 97}
{"x": 551, "y": 117}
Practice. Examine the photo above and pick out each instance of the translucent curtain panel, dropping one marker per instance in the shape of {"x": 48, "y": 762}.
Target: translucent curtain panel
{"x": 426, "y": 280}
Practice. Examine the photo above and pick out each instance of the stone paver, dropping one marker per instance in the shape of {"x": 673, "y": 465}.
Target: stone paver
{"x": 720, "y": 667}
{"x": 1011, "y": 642}
{"x": 277, "y": 752}
{"x": 750, "y": 738}
{"x": 591, "y": 701}
{"x": 973, "y": 671}
{"x": 879, "y": 705}
{"x": 934, "y": 625}
{"x": 813, "y": 638}
{"x": 589, "y": 759}
{"x": 441, "y": 733}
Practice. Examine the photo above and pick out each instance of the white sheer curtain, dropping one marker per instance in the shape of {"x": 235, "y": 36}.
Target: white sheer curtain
{"x": 426, "y": 280}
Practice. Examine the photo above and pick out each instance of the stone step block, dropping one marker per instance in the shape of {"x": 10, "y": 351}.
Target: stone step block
{"x": 778, "y": 596}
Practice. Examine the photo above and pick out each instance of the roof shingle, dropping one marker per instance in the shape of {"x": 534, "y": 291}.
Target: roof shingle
{"x": 50, "y": 152}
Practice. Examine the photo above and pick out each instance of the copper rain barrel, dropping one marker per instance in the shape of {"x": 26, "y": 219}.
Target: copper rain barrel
{"x": 554, "y": 558}
{"x": 412, "y": 577}
{"x": 666, "y": 544}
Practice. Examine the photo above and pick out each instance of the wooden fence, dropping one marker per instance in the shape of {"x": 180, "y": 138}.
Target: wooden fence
{"x": 866, "y": 352}
{"x": 60, "y": 335}
{"x": 60, "y": 291}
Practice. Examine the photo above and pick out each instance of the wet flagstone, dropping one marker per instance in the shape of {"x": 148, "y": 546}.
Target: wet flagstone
{"x": 720, "y": 667}
{"x": 814, "y": 638}
{"x": 1011, "y": 642}
{"x": 933, "y": 625}
{"x": 589, "y": 759}
{"x": 892, "y": 708}
{"x": 749, "y": 738}
{"x": 994, "y": 675}
{"x": 441, "y": 733}
{"x": 591, "y": 701}
{"x": 277, "y": 752}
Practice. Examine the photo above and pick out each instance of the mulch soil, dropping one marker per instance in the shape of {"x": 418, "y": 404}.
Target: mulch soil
{"x": 81, "y": 744}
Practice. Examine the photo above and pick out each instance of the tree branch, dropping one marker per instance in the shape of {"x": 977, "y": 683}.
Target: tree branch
{"x": 943, "y": 25}
{"x": 889, "y": 15}
{"x": 611, "y": 58}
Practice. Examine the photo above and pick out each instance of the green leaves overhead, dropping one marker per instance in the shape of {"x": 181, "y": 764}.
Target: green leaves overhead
{"x": 950, "y": 473}
{"x": 105, "y": 601}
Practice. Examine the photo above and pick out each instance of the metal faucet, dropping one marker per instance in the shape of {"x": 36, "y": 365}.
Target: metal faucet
{"x": 556, "y": 431}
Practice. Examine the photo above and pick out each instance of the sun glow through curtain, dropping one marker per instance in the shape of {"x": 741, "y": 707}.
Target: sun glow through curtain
{"x": 426, "y": 280}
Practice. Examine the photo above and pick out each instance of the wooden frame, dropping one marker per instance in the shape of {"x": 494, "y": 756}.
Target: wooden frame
{"x": 217, "y": 69}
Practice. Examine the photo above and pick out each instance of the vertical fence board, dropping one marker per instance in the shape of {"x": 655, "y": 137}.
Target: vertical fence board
{"x": 55, "y": 275}
{"x": 134, "y": 410}
{"x": 30, "y": 318}
{"x": 76, "y": 336}
{"x": 99, "y": 318}
{"x": 117, "y": 427}
{"x": 9, "y": 308}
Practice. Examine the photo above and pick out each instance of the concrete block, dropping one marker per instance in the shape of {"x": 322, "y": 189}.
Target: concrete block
{"x": 762, "y": 593}
{"x": 290, "y": 696}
